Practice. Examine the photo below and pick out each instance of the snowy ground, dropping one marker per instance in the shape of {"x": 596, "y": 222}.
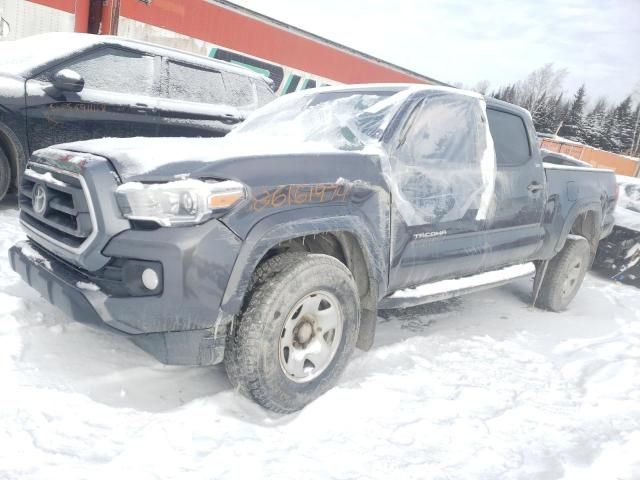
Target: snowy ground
{"x": 482, "y": 387}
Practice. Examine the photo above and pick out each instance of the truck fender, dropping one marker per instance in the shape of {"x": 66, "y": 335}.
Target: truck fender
{"x": 572, "y": 216}
{"x": 277, "y": 228}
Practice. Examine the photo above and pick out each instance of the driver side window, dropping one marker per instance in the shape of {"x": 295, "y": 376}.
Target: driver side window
{"x": 115, "y": 70}
{"x": 437, "y": 166}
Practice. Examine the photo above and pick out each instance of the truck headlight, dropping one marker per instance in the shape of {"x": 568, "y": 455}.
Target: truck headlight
{"x": 183, "y": 202}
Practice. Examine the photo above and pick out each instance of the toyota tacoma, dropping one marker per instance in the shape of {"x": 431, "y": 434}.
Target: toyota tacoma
{"x": 272, "y": 249}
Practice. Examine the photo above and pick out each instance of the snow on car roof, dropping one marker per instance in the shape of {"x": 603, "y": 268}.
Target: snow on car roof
{"x": 27, "y": 54}
{"x": 22, "y": 55}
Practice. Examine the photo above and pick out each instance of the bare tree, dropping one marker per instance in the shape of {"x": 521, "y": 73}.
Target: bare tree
{"x": 540, "y": 84}
{"x": 482, "y": 87}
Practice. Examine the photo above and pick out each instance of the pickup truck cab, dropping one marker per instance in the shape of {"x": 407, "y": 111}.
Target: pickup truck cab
{"x": 62, "y": 87}
{"x": 271, "y": 249}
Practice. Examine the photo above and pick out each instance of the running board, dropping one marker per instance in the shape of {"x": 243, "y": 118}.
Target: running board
{"x": 445, "y": 289}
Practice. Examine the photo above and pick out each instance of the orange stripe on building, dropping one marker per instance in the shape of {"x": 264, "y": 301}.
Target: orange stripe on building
{"x": 228, "y": 27}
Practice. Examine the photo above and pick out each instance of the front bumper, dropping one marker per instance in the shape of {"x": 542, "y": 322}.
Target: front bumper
{"x": 176, "y": 326}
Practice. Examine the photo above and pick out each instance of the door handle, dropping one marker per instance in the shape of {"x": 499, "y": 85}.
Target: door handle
{"x": 142, "y": 108}
{"x": 535, "y": 187}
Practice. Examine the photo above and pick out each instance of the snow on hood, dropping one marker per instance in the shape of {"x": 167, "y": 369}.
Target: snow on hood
{"x": 627, "y": 213}
{"x": 137, "y": 156}
{"x": 627, "y": 218}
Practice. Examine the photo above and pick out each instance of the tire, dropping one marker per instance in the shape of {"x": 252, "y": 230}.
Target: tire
{"x": 5, "y": 174}
{"x": 272, "y": 347}
{"x": 564, "y": 275}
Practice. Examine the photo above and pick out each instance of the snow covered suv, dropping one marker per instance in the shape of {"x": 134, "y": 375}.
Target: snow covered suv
{"x": 62, "y": 87}
{"x": 619, "y": 253}
{"x": 271, "y": 249}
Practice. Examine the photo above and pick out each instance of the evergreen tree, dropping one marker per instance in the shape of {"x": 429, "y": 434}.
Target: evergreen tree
{"x": 635, "y": 144}
{"x": 624, "y": 125}
{"x": 594, "y": 124}
{"x": 573, "y": 127}
{"x": 609, "y": 140}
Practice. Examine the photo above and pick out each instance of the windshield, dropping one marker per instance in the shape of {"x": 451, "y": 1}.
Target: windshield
{"x": 17, "y": 56}
{"x": 347, "y": 120}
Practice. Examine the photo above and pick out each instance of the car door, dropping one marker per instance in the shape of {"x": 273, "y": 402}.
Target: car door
{"x": 514, "y": 229}
{"x": 442, "y": 189}
{"x": 119, "y": 98}
{"x": 197, "y": 102}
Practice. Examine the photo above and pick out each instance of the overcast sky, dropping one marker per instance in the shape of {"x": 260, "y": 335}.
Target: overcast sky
{"x": 466, "y": 41}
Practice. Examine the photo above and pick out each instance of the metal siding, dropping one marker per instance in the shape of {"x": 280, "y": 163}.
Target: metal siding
{"x": 30, "y": 17}
{"x": 234, "y": 30}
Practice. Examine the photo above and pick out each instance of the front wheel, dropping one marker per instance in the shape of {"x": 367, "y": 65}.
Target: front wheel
{"x": 564, "y": 274}
{"x": 297, "y": 332}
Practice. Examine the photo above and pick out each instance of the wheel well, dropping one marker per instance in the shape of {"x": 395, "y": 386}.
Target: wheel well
{"x": 345, "y": 247}
{"x": 340, "y": 245}
{"x": 586, "y": 226}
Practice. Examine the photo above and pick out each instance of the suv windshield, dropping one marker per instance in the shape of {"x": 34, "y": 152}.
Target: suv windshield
{"x": 348, "y": 120}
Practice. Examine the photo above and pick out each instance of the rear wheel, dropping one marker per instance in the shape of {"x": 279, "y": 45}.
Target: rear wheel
{"x": 5, "y": 174}
{"x": 297, "y": 332}
{"x": 564, "y": 274}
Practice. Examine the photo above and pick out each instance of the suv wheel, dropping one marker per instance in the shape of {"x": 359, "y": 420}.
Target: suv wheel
{"x": 297, "y": 332}
{"x": 5, "y": 174}
{"x": 564, "y": 275}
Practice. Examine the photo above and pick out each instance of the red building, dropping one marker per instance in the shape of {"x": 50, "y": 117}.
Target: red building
{"x": 292, "y": 58}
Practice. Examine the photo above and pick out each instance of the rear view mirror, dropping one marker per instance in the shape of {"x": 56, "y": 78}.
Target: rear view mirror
{"x": 67, "y": 81}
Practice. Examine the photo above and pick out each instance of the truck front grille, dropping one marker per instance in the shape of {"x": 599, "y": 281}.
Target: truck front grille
{"x": 54, "y": 203}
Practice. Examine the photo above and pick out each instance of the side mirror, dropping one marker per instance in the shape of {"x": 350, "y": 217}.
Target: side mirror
{"x": 67, "y": 81}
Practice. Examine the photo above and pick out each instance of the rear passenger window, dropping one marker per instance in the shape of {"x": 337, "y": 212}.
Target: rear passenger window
{"x": 265, "y": 94}
{"x": 241, "y": 90}
{"x": 116, "y": 70}
{"x": 193, "y": 84}
{"x": 509, "y": 137}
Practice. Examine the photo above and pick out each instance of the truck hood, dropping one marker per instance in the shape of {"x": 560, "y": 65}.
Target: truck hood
{"x": 142, "y": 158}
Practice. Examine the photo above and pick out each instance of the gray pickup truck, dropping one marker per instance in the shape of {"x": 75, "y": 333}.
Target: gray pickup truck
{"x": 272, "y": 249}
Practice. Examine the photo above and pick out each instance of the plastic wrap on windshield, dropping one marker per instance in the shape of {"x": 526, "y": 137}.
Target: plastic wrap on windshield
{"x": 442, "y": 167}
{"x": 344, "y": 120}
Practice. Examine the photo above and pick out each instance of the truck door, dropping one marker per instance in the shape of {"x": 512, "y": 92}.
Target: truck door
{"x": 118, "y": 99}
{"x": 442, "y": 190}
{"x": 514, "y": 229}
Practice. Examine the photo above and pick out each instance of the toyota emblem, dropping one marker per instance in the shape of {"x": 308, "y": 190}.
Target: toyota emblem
{"x": 39, "y": 201}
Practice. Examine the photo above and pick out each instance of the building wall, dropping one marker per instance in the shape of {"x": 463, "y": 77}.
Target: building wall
{"x": 291, "y": 58}
{"x": 285, "y": 79}
{"x": 22, "y": 18}
{"x": 237, "y": 30}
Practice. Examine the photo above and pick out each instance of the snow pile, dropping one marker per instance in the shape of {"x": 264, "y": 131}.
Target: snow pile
{"x": 482, "y": 387}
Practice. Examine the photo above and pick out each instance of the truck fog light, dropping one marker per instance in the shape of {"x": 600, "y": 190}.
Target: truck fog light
{"x": 150, "y": 279}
